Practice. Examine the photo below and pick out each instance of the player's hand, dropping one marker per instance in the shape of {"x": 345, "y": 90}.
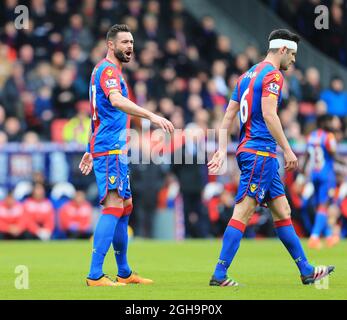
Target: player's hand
{"x": 163, "y": 123}
{"x": 86, "y": 164}
{"x": 290, "y": 160}
{"x": 216, "y": 162}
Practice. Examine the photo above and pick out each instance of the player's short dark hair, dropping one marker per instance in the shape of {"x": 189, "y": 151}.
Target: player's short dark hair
{"x": 323, "y": 120}
{"x": 113, "y": 31}
{"x": 284, "y": 34}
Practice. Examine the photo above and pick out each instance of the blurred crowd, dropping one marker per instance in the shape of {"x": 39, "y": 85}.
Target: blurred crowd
{"x": 301, "y": 15}
{"x": 27, "y": 212}
{"x": 182, "y": 69}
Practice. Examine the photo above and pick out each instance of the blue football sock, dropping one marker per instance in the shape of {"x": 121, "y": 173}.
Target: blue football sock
{"x": 120, "y": 246}
{"x": 103, "y": 237}
{"x": 289, "y": 238}
{"x": 231, "y": 243}
{"x": 320, "y": 223}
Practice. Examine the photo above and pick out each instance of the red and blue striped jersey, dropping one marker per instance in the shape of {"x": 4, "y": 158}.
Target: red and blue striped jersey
{"x": 262, "y": 80}
{"x": 320, "y": 146}
{"x": 108, "y": 123}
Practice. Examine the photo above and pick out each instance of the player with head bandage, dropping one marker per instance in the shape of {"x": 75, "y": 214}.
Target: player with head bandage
{"x": 255, "y": 99}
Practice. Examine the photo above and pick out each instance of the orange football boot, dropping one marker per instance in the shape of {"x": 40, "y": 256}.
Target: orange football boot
{"x": 134, "y": 278}
{"x": 314, "y": 243}
{"x": 332, "y": 241}
{"x": 104, "y": 281}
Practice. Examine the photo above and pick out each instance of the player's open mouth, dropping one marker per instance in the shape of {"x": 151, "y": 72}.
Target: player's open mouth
{"x": 128, "y": 54}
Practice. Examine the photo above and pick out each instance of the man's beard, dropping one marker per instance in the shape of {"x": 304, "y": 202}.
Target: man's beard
{"x": 121, "y": 56}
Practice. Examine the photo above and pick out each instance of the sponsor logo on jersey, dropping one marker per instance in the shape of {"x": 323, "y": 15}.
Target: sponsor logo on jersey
{"x": 277, "y": 77}
{"x": 274, "y": 88}
{"x": 111, "y": 83}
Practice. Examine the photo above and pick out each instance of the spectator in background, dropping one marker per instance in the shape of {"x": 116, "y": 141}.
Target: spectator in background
{"x": 223, "y": 50}
{"x": 146, "y": 182}
{"x": 43, "y": 111}
{"x": 311, "y": 88}
{"x": 59, "y": 15}
{"x": 219, "y": 76}
{"x": 31, "y": 139}
{"x": 337, "y": 33}
{"x": 77, "y": 128}
{"x": 207, "y": 38}
{"x": 293, "y": 81}
{"x": 75, "y": 33}
{"x": 241, "y": 63}
{"x": 78, "y": 58}
{"x": 27, "y": 58}
{"x": 6, "y": 57}
{"x": 64, "y": 95}
{"x": 193, "y": 168}
{"x": 14, "y": 87}
{"x": 151, "y": 30}
{"x": 3, "y": 138}
{"x": 107, "y": 12}
{"x": 42, "y": 76}
{"x": 9, "y": 35}
{"x": 58, "y": 61}
{"x": 134, "y": 8}
{"x": 13, "y": 129}
{"x": 180, "y": 33}
{"x": 336, "y": 97}
{"x": 39, "y": 214}
{"x": 38, "y": 12}
{"x": 12, "y": 218}
{"x": 75, "y": 217}
{"x": 2, "y": 117}
{"x": 252, "y": 54}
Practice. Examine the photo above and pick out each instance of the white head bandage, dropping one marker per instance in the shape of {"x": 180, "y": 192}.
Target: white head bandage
{"x": 279, "y": 43}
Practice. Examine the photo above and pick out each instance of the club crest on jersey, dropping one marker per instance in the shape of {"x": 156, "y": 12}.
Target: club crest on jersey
{"x": 274, "y": 88}
{"x": 112, "y": 179}
{"x": 111, "y": 83}
{"x": 253, "y": 187}
{"x": 277, "y": 77}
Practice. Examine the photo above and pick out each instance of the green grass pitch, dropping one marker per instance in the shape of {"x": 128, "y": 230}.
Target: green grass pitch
{"x": 181, "y": 270}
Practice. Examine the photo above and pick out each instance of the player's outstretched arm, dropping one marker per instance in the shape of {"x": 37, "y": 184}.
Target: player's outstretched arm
{"x": 129, "y": 107}
{"x": 218, "y": 158}
{"x": 273, "y": 123}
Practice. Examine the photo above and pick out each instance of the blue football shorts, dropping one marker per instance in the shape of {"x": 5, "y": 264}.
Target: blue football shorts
{"x": 259, "y": 178}
{"x": 112, "y": 173}
{"x": 324, "y": 187}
